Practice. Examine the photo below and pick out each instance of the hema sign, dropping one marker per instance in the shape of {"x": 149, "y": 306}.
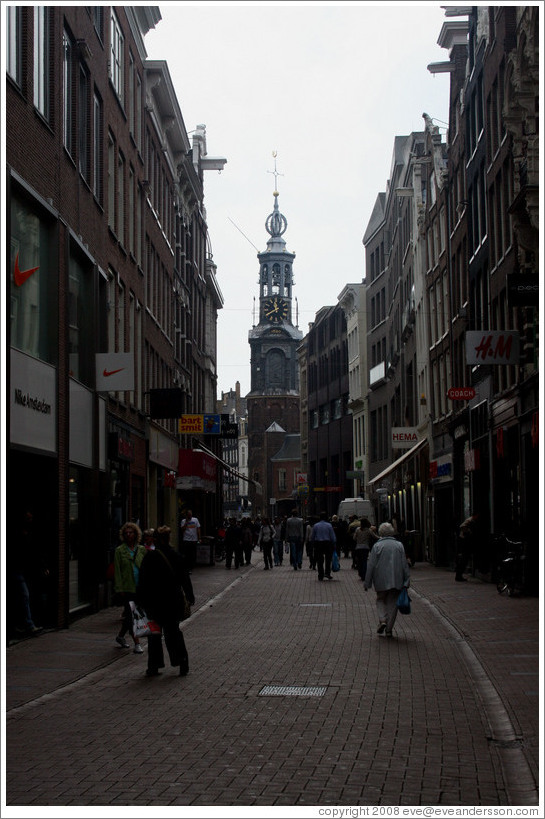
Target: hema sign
{"x": 404, "y": 437}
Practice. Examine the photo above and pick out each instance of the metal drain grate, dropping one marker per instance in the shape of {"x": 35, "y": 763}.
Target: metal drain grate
{"x": 292, "y": 691}
{"x": 301, "y": 605}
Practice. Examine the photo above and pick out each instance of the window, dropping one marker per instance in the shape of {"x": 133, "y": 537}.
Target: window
{"x": 117, "y": 56}
{"x": 121, "y": 198}
{"x": 41, "y": 60}
{"x": 83, "y": 123}
{"x": 121, "y": 318}
{"x": 131, "y": 211}
{"x": 98, "y": 20}
{"x": 80, "y": 322}
{"x": 97, "y": 147}
{"x": 138, "y": 113}
{"x": 111, "y": 183}
{"x": 13, "y": 51}
{"x": 68, "y": 93}
{"x": 32, "y": 302}
{"x": 282, "y": 481}
{"x": 111, "y": 312}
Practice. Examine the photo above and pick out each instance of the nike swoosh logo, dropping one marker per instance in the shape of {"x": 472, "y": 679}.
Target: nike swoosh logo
{"x": 106, "y": 373}
{"x": 20, "y": 276}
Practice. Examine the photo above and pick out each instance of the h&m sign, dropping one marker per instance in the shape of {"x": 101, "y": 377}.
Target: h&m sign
{"x": 492, "y": 347}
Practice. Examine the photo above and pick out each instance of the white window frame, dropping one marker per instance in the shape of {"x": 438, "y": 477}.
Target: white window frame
{"x": 41, "y": 60}
{"x": 117, "y": 57}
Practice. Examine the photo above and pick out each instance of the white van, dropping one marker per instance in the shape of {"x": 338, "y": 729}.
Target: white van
{"x": 360, "y": 507}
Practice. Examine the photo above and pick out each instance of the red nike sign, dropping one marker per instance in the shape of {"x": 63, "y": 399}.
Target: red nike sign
{"x": 20, "y": 276}
{"x": 106, "y": 373}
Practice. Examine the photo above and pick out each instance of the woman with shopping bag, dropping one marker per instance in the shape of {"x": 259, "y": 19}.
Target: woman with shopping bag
{"x": 163, "y": 589}
{"x": 388, "y": 571}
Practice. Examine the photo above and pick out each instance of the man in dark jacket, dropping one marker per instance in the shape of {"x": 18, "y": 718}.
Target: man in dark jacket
{"x": 163, "y": 576}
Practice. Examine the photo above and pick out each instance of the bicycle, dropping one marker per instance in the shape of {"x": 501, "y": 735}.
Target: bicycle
{"x": 511, "y": 577}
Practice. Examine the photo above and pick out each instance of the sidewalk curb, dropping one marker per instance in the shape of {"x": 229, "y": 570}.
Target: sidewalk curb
{"x": 518, "y": 776}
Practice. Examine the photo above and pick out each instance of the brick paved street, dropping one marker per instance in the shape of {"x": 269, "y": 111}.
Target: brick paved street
{"x": 445, "y": 713}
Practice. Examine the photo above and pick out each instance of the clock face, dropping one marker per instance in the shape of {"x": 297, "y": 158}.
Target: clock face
{"x": 275, "y": 309}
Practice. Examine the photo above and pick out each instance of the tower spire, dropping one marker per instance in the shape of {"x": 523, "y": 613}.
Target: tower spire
{"x": 276, "y": 174}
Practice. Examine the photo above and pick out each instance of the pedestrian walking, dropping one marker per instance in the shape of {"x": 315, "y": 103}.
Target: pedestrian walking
{"x": 247, "y": 541}
{"x": 364, "y": 537}
{"x": 233, "y": 544}
{"x": 278, "y": 542}
{"x": 128, "y": 558}
{"x": 26, "y": 574}
{"x": 163, "y": 578}
{"x": 466, "y": 545}
{"x": 148, "y": 539}
{"x": 388, "y": 571}
{"x": 324, "y": 540}
{"x": 295, "y": 535}
{"x": 309, "y": 544}
{"x": 265, "y": 540}
{"x": 191, "y": 536}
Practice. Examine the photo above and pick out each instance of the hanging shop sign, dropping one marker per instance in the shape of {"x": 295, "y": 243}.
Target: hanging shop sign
{"x": 523, "y": 289}
{"x": 196, "y": 470}
{"x": 114, "y": 372}
{"x": 441, "y": 469}
{"x": 461, "y": 393}
{"x": 404, "y": 437}
{"x": 206, "y": 424}
{"x": 499, "y": 347}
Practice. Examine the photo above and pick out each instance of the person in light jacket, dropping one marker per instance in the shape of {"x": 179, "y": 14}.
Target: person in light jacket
{"x": 388, "y": 571}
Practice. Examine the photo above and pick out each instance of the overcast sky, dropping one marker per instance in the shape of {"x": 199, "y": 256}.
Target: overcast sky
{"x": 328, "y": 86}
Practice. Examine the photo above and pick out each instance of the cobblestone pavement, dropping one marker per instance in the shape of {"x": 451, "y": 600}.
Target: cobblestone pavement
{"x": 292, "y": 700}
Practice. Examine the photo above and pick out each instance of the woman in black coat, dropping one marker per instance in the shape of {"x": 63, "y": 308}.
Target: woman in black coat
{"x": 162, "y": 577}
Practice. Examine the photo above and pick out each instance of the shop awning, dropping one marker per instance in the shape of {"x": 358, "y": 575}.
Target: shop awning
{"x": 389, "y": 469}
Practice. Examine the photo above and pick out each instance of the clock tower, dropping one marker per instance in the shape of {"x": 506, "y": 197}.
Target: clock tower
{"x": 274, "y": 390}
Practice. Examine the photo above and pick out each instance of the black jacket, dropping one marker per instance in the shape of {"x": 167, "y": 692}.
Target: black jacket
{"x": 162, "y": 576}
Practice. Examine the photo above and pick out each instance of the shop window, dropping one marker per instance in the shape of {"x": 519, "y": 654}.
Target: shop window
{"x": 33, "y": 309}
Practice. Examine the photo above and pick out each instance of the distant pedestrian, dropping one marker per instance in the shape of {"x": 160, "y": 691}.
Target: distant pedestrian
{"x": 265, "y": 539}
{"x": 26, "y": 572}
{"x": 233, "y": 544}
{"x": 148, "y": 539}
{"x": 309, "y": 544}
{"x": 278, "y": 542}
{"x": 324, "y": 540}
{"x": 247, "y": 541}
{"x": 388, "y": 571}
{"x": 191, "y": 535}
{"x": 128, "y": 558}
{"x": 364, "y": 537}
{"x": 295, "y": 535}
{"x": 466, "y": 545}
{"x": 163, "y": 577}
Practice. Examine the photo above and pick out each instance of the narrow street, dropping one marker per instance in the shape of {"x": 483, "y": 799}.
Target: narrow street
{"x": 292, "y": 699}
